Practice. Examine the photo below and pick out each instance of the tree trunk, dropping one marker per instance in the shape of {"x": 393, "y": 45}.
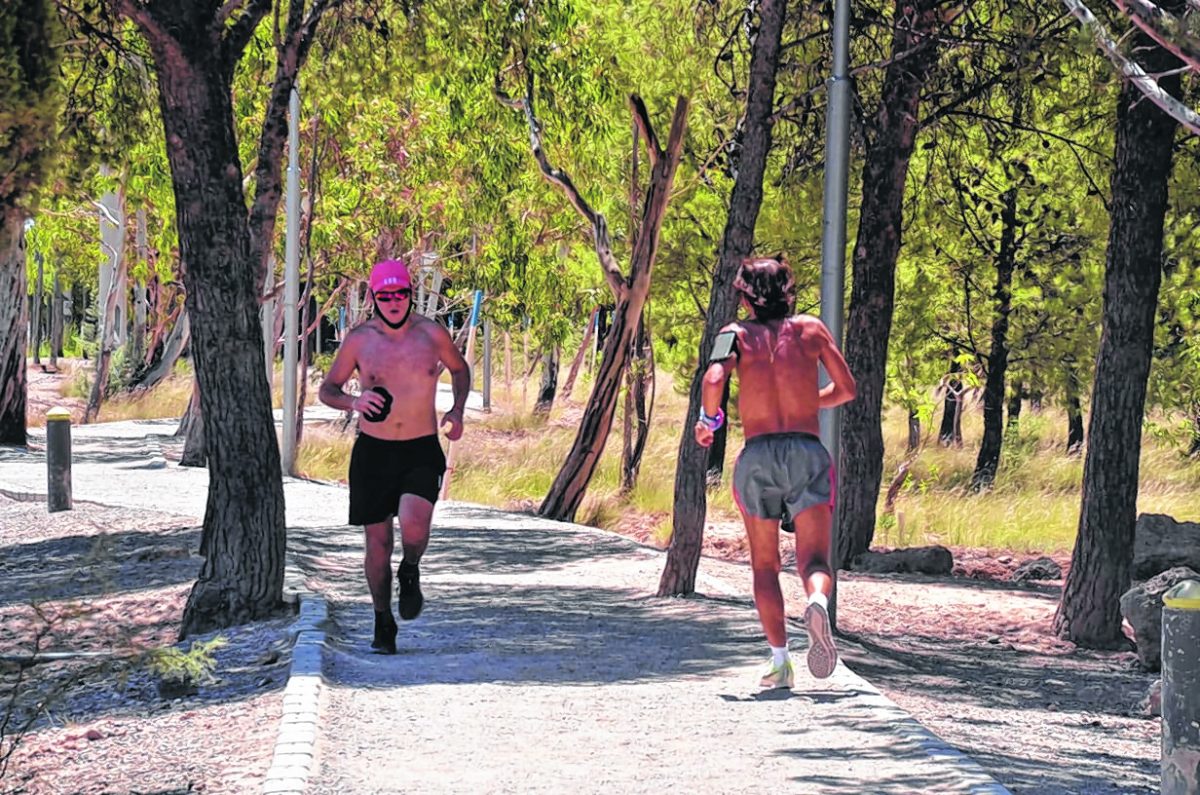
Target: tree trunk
{"x": 950, "y": 431}
{"x": 997, "y": 363}
{"x": 172, "y": 349}
{"x": 584, "y": 346}
{"x": 56, "y": 321}
{"x": 570, "y": 485}
{"x": 305, "y": 353}
{"x": 638, "y": 378}
{"x": 1012, "y": 418}
{"x": 39, "y": 292}
{"x": 191, "y": 428}
{"x": 13, "y": 320}
{"x": 549, "y": 385}
{"x": 137, "y": 345}
{"x": 1089, "y": 613}
{"x": 691, "y": 501}
{"x": 109, "y": 317}
{"x": 1194, "y": 449}
{"x": 242, "y": 576}
{"x": 872, "y": 297}
{"x": 914, "y": 431}
{"x": 1074, "y": 414}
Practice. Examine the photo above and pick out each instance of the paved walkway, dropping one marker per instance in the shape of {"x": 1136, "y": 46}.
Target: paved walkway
{"x": 542, "y": 663}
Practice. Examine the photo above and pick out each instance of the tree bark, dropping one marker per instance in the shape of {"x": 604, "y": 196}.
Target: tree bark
{"x": 691, "y": 501}
{"x": 872, "y": 298}
{"x": 242, "y": 576}
{"x": 570, "y": 485}
{"x": 549, "y": 385}
{"x": 13, "y": 325}
{"x": 137, "y": 345}
{"x": 1089, "y": 613}
{"x": 172, "y": 349}
{"x": 997, "y": 362}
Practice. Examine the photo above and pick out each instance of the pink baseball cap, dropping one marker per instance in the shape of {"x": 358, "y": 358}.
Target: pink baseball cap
{"x": 390, "y": 274}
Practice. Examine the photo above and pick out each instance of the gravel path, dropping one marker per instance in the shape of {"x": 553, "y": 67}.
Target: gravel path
{"x": 542, "y": 664}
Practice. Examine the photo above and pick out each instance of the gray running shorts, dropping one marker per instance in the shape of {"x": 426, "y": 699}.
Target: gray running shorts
{"x": 782, "y": 474}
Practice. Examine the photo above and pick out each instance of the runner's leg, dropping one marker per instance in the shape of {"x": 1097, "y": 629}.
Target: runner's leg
{"x": 416, "y": 515}
{"x": 812, "y": 563}
{"x": 378, "y": 562}
{"x": 763, "y": 535}
{"x": 812, "y": 549}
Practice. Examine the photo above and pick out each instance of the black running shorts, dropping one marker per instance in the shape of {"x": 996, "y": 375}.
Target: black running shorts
{"x": 381, "y": 470}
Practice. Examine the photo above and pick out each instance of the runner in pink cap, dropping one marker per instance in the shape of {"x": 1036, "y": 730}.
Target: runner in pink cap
{"x": 391, "y": 287}
{"x": 397, "y": 463}
{"x": 390, "y": 274}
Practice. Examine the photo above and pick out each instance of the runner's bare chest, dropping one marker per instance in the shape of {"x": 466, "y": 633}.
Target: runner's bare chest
{"x": 401, "y": 363}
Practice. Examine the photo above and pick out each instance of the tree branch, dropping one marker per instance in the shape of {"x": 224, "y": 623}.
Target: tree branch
{"x": 601, "y": 240}
{"x": 235, "y": 38}
{"x": 642, "y": 119}
{"x": 154, "y": 31}
{"x": 1131, "y": 70}
{"x": 1164, "y": 28}
{"x": 292, "y": 51}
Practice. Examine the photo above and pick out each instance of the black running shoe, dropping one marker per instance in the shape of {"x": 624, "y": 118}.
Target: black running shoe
{"x": 385, "y": 633}
{"x": 410, "y": 601}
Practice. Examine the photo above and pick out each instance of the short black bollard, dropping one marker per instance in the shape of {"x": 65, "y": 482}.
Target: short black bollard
{"x": 1181, "y": 689}
{"x": 58, "y": 460}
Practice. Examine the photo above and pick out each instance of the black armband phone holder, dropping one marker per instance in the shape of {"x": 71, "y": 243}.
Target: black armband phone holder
{"x": 724, "y": 347}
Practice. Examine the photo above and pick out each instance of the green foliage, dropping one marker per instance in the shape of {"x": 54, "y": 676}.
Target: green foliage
{"x": 30, "y": 97}
{"x": 194, "y": 666}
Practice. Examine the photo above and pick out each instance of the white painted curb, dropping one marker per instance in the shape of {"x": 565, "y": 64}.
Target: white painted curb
{"x": 295, "y": 757}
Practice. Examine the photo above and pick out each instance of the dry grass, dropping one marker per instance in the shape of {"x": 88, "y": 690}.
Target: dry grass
{"x": 169, "y": 399}
{"x": 510, "y": 458}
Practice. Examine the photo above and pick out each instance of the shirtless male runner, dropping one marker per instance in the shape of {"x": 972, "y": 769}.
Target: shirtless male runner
{"x": 783, "y": 472}
{"x": 397, "y": 464}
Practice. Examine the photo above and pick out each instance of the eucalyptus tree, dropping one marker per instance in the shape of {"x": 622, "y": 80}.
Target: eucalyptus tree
{"x": 29, "y": 103}
{"x": 1089, "y": 613}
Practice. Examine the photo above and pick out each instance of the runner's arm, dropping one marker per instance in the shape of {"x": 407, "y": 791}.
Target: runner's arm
{"x": 841, "y": 387}
{"x": 344, "y": 363}
{"x": 460, "y": 371}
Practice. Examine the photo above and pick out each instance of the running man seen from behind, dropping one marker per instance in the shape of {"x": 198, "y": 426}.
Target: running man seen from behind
{"x": 783, "y": 472}
{"x": 397, "y": 464}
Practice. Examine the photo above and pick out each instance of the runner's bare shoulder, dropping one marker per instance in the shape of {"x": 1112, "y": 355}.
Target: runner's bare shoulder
{"x": 813, "y": 333}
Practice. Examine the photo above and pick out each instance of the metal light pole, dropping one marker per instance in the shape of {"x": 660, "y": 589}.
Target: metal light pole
{"x": 291, "y": 292}
{"x": 833, "y": 231}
